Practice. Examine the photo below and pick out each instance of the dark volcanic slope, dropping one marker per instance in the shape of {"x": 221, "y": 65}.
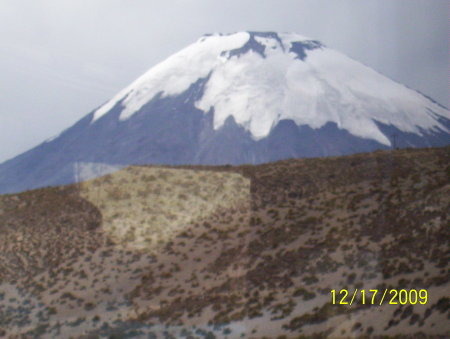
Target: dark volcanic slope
{"x": 168, "y": 131}
{"x": 259, "y": 262}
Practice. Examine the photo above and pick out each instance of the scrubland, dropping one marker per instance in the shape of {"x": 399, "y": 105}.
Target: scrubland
{"x": 231, "y": 252}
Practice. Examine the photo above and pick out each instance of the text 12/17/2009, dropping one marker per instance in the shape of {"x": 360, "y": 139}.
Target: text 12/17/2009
{"x": 379, "y": 297}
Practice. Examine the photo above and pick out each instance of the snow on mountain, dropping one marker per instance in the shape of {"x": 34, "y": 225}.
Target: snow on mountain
{"x": 282, "y": 76}
{"x": 247, "y": 97}
{"x": 175, "y": 74}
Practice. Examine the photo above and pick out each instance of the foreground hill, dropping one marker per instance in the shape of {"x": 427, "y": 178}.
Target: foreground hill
{"x": 246, "y": 251}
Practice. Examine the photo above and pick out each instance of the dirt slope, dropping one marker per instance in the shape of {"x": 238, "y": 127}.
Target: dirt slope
{"x": 247, "y": 251}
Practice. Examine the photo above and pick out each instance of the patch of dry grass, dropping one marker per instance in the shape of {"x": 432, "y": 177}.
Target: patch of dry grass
{"x": 144, "y": 207}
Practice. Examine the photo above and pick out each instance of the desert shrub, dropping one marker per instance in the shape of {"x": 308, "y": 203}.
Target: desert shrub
{"x": 311, "y": 279}
{"x": 304, "y": 293}
{"x": 117, "y": 194}
{"x": 89, "y": 306}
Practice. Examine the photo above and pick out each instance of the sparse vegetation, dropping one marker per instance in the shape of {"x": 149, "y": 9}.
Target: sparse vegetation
{"x": 256, "y": 244}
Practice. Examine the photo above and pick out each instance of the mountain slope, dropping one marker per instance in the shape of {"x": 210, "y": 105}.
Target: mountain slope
{"x": 248, "y": 97}
{"x": 247, "y": 251}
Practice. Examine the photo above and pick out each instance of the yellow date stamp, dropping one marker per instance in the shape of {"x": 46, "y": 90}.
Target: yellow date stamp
{"x": 379, "y": 297}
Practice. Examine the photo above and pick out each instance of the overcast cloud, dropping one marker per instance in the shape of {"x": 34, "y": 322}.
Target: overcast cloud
{"x": 60, "y": 59}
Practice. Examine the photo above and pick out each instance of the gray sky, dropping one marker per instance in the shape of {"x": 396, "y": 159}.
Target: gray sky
{"x": 60, "y": 59}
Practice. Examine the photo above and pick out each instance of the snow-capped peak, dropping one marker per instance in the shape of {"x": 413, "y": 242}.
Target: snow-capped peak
{"x": 261, "y": 78}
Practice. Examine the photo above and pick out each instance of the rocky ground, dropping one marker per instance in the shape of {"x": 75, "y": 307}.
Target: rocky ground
{"x": 231, "y": 252}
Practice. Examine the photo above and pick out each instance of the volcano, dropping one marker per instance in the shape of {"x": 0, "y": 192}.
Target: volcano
{"x": 246, "y": 97}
